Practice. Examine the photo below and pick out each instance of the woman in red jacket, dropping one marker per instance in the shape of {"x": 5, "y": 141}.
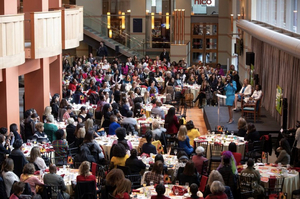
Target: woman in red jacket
{"x": 84, "y": 173}
{"x": 171, "y": 122}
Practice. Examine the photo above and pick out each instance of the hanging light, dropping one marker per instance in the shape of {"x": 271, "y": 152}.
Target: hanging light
{"x": 167, "y": 21}
{"x": 110, "y": 33}
{"x": 108, "y": 20}
{"x": 123, "y": 20}
{"x": 152, "y": 20}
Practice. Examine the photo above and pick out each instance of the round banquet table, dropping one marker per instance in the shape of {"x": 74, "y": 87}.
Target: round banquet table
{"x": 148, "y": 108}
{"x": 225, "y": 140}
{"x": 106, "y": 142}
{"x": 141, "y": 195}
{"x": 291, "y": 177}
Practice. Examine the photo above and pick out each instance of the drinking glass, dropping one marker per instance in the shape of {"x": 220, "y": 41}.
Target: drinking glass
{"x": 187, "y": 185}
{"x": 232, "y": 133}
{"x": 176, "y": 192}
{"x": 175, "y": 151}
{"x": 177, "y": 182}
{"x": 213, "y": 133}
{"x": 151, "y": 183}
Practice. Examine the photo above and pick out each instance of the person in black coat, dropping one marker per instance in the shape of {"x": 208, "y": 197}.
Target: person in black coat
{"x": 189, "y": 174}
{"x": 148, "y": 147}
{"x": 55, "y": 105}
{"x": 102, "y": 50}
{"x": 251, "y": 134}
{"x": 4, "y": 148}
{"x": 164, "y": 54}
{"x": 70, "y": 129}
{"x": 134, "y": 163}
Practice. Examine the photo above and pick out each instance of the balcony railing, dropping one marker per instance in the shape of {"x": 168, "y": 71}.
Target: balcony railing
{"x": 46, "y": 34}
{"x": 11, "y": 40}
{"x": 72, "y": 27}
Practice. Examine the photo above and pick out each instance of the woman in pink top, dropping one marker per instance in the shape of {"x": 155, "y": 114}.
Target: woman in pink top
{"x": 199, "y": 159}
{"x": 28, "y": 177}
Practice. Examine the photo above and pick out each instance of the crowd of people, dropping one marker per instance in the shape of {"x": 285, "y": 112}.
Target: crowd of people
{"x": 119, "y": 90}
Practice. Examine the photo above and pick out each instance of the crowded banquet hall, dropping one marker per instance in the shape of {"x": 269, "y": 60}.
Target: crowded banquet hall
{"x": 160, "y": 99}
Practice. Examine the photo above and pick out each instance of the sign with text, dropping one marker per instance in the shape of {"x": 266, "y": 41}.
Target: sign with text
{"x": 199, "y": 6}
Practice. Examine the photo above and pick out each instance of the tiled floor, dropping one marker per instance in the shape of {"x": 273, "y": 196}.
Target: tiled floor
{"x": 196, "y": 115}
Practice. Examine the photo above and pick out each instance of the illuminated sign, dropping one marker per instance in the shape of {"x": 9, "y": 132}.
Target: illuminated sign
{"x": 209, "y": 3}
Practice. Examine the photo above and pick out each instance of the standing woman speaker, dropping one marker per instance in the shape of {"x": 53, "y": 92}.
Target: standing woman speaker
{"x": 230, "y": 88}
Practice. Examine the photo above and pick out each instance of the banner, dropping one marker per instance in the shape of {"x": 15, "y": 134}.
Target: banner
{"x": 279, "y": 94}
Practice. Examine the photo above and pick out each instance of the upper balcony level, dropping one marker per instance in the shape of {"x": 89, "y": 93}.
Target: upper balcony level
{"x": 47, "y": 34}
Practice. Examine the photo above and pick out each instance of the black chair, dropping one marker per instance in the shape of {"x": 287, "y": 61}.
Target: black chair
{"x": 135, "y": 180}
{"x": 205, "y": 168}
{"x": 255, "y": 149}
{"x": 52, "y": 192}
{"x": 86, "y": 190}
{"x": 245, "y": 186}
{"x": 60, "y": 160}
{"x": 176, "y": 102}
{"x": 215, "y": 153}
{"x": 2, "y": 189}
{"x": 296, "y": 193}
{"x": 275, "y": 186}
{"x": 19, "y": 163}
{"x": 126, "y": 170}
{"x": 73, "y": 151}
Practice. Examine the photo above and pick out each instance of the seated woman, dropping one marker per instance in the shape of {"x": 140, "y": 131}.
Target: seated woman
{"x": 237, "y": 156}
{"x": 17, "y": 190}
{"x": 79, "y": 134}
{"x": 50, "y": 128}
{"x": 113, "y": 179}
{"x": 106, "y": 112}
{"x": 152, "y": 85}
{"x": 17, "y": 151}
{"x": 251, "y": 134}
{"x": 171, "y": 122}
{"x": 148, "y": 147}
{"x": 228, "y": 170}
{"x": 255, "y": 175}
{"x": 124, "y": 106}
{"x": 121, "y": 134}
{"x": 204, "y": 93}
{"x": 123, "y": 189}
{"x": 192, "y": 132}
{"x": 82, "y": 114}
{"x": 199, "y": 159}
{"x": 157, "y": 130}
{"x": 242, "y": 127}
{"x": 194, "y": 192}
{"x": 94, "y": 147}
{"x": 189, "y": 174}
{"x": 28, "y": 177}
{"x": 4, "y": 147}
{"x": 217, "y": 191}
{"x": 70, "y": 130}
{"x": 84, "y": 173}
{"x": 159, "y": 157}
{"x": 156, "y": 174}
{"x": 119, "y": 156}
{"x": 36, "y": 160}
{"x": 184, "y": 141}
{"x": 284, "y": 152}
{"x": 160, "y": 190}
{"x": 134, "y": 163}
{"x": 113, "y": 125}
{"x": 8, "y": 175}
{"x": 61, "y": 147}
{"x": 39, "y": 135}
{"x": 256, "y": 95}
{"x": 216, "y": 176}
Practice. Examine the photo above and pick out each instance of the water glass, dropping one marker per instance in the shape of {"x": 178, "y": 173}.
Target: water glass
{"x": 175, "y": 151}
{"x": 279, "y": 164}
{"x": 176, "y": 192}
{"x": 187, "y": 185}
{"x": 232, "y": 133}
{"x": 177, "y": 182}
{"x": 151, "y": 183}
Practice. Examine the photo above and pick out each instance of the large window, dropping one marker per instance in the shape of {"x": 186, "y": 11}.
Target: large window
{"x": 279, "y": 13}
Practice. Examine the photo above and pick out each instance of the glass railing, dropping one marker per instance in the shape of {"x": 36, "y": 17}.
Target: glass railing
{"x": 99, "y": 25}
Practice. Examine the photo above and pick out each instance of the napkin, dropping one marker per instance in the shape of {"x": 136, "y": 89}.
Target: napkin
{"x": 62, "y": 175}
{"x": 47, "y": 170}
{"x": 146, "y": 155}
{"x": 217, "y": 143}
{"x": 135, "y": 190}
{"x": 141, "y": 119}
{"x": 202, "y": 138}
{"x": 37, "y": 173}
{"x": 181, "y": 190}
{"x": 26, "y": 151}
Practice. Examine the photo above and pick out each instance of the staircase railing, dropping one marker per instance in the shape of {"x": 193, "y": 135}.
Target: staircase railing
{"x": 99, "y": 25}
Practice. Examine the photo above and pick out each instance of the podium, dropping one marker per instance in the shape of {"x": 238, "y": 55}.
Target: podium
{"x": 220, "y": 97}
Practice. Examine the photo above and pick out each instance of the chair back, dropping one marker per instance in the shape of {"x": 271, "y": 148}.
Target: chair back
{"x": 94, "y": 168}
{"x": 203, "y": 183}
{"x": 245, "y": 185}
{"x": 86, "y": 190}
{"x": 18, "y": 164}
{"x": 275, "y": 185}
{"x": 126, "y": 170}
{"x": 135, "y": 180}
{"x": 216, "y": 149}
{"x": 205, "y": 168}
{"x": 50, "y": 192}
{"x": 2, "y": 188}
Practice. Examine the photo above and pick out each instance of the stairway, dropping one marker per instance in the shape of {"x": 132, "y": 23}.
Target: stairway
{"x": 110, "y": 42}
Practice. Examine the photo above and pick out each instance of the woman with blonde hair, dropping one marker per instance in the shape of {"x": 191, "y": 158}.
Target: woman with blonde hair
{"x": 184, "y": 140}
{"x": 216, "y": 176}
{"x": 218, "y": 191}
{"x": 35, "y": 158}
{"x": 123, "y": 190}
{"x": 242, "y": 127}
{"x": 84, "y": 173}
{"x": 47, "y": 112}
